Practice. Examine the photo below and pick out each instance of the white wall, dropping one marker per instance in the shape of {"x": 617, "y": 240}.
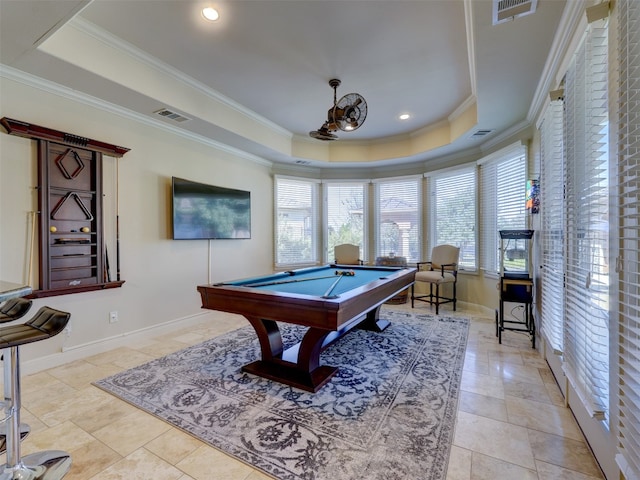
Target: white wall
{"x": 160, "y": 274}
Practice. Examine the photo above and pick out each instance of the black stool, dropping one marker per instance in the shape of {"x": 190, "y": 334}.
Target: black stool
{"x": 14, "y": 309}
{"x": 11, "y": 310}
{"x": 47, "y": 465}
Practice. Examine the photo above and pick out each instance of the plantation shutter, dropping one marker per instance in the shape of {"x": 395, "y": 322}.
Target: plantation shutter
{"x": 586, "y": 334}
{"x": 552, "y": 234}
{"x": 502, "y": 190}
{"x": 297, "y": 218}
{"x": 452, "y": 212}
{"x": 397, "y": 215}
{"x": 345, "y": 222}
{"x": 628, "y": 268}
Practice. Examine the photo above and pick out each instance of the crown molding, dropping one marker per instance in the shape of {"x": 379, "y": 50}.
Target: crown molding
{"x": 515, "y": 130}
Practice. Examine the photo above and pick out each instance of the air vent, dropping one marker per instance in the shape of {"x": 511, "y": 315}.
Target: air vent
{"x": 481, "y": 133}
{"x": 506, "y": 10}
{"x": 176, "y": 117}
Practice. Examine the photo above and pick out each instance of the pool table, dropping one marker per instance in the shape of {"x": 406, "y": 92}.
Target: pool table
{"x": 330, "y": 300}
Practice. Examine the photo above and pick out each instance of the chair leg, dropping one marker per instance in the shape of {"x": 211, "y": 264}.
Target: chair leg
{"x": 47, "y": 465}
{"x": 437, "y": 297}
{"x": 412, "y": 295}
{"x": 455, "y": 298}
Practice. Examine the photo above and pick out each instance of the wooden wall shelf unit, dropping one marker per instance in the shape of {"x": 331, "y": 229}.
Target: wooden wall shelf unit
{"x": 73, "y": 254}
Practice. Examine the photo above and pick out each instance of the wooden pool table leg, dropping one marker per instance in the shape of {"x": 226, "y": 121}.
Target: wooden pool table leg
{"x": 269, "y": 336}
{"x": 373, "y": 322}
{"x": 298, "y": 366}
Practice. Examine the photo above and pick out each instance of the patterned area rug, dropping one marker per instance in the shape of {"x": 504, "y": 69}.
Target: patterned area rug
{"x": 387, "y": 414}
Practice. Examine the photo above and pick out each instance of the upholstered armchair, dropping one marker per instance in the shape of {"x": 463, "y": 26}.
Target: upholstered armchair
{"x": 347, "y": 254}
{"x": 440, "y": 271}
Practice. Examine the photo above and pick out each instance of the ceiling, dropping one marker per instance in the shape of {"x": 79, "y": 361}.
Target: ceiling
{"x": 256, "y": 81}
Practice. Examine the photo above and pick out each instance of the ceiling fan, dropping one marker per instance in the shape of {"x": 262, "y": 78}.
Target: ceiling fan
{"x": 346, "y": 114}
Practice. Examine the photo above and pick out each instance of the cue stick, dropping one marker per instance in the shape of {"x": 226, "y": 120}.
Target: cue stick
{"x": 327, "y": 294}
{"x": 106, "y": 264}
{"x": 280, "y": 282}
{"x": 117, "y": 219}
{"x": 32, "y": 241}
{"x": 347, "y": 273}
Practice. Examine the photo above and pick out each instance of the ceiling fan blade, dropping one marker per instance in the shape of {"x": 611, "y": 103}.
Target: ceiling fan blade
{"x": 323, "y": 133}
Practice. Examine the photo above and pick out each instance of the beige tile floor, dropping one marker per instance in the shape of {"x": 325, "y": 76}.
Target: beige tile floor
{"x": 511, "y": 420}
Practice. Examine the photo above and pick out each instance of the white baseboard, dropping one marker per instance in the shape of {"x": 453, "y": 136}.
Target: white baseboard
{"x": 477, "y": 309}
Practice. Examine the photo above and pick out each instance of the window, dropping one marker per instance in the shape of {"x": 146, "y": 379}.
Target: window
{"x": 586, "y": 333}
{"x": 398, "y": 218}
{"x": 628, "y": 268}
{"x": 296, "y": 221}
{"x": 345, "y": 215}
{"x": 452, "y": 212}
{"x": 503, "y": 193}
{"x": 552, "y": 221}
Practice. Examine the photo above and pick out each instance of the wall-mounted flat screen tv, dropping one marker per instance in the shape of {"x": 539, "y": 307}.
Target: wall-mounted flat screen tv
{"x": 202, "y": 211}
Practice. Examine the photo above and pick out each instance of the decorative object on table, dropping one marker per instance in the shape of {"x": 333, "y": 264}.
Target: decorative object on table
{"x": 346, "y": 114}
{"x": 441, "y": 270}
{"x": 389, "y": 413}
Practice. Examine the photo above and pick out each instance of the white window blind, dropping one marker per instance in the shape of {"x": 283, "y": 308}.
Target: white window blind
{"x": 628, "y": 189}
{"x": 503, "y": 193}
{"x": 452, "y": 212}
{"x": 552, "y": 235}
{"x": 586, "y": 334}
{"x": 397, "y": 215}
{"x": 345, "y": 215}
{"x": 297, "y": 215}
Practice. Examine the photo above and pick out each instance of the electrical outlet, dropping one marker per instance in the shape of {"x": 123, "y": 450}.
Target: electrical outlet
{"x": 113, "y": 317}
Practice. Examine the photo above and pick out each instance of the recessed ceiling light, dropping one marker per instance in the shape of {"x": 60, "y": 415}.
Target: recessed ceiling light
{"x": 404, "y": 116}
{"x": 210, "y": 14}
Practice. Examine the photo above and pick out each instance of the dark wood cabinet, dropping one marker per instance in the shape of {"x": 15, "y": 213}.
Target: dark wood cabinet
{"x": 72, "y": 251}
{"x": 70, "y": 205}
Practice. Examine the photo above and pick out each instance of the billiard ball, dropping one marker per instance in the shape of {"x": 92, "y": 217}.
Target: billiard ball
{"x": 346, "y": 273}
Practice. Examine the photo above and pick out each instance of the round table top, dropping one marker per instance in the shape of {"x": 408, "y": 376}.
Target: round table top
{"x": 10, "y": 290}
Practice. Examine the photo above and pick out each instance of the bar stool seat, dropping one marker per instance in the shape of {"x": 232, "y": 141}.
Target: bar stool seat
{"x": 47, "y": 323}
{"x": 14, "y": 309}
{"x": 47, "y": 465}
